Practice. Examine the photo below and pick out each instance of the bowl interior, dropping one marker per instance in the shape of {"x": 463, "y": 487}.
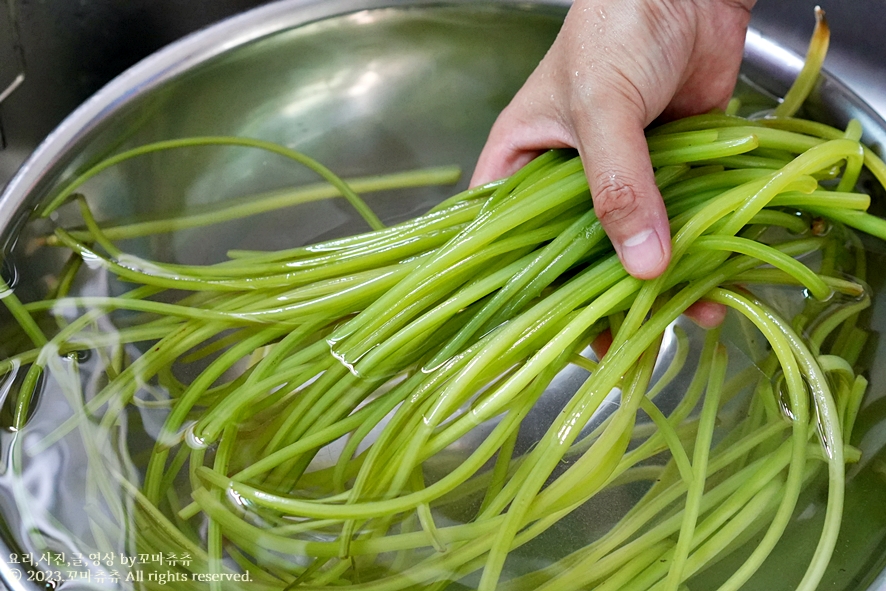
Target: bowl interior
{"x": 368, "y": 92}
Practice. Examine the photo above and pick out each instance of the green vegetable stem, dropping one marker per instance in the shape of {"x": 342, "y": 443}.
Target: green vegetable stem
{"x": 363, "y": 412}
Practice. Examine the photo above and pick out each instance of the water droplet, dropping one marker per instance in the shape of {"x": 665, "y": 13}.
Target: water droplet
{"x": 92, "y": 260}
{"x": 10, "y": 276}
{"x": 7, "y": 380}
{"x": 342, "y": 358}
{"x": 193, "y": 440}
{"x": 764, "y": 114}
{"x": 783, "y": 396}
{"x": 822, "y": 435}
{"x": 80, "y": 356}
{"x": 236, "y": 498}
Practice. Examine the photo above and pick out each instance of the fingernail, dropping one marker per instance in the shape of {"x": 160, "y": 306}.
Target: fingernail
{"x": 642, "y": 253}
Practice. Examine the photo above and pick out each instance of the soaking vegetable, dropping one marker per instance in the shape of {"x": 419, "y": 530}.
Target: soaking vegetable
{"x": 354, "y": 412}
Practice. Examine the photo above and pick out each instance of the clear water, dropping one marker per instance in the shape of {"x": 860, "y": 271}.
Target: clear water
{"x": 69, "y": 519}
{"x": 66, "y": 511}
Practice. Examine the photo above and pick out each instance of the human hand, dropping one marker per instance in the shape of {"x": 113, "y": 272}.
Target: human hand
{"x": 615, "y": 67}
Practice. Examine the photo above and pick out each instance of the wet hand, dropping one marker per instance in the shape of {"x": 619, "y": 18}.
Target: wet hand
{"x": 615, "y": 67}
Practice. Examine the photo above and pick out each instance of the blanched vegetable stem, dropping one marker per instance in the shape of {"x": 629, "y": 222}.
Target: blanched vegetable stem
{"x": 359, "y": 413}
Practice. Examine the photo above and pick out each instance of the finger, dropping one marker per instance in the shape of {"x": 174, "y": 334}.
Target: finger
{"x": 713, "y": 67}
{"x": 504, "y": 153}
{"x": 706, "y": 314}
{"x": 626, "y": 199}
{"x": 601, "y": 343}
{"x": 521, "y": 132}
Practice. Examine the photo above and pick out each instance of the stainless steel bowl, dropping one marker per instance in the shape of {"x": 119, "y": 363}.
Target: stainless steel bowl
{"x": 365, "y": 86}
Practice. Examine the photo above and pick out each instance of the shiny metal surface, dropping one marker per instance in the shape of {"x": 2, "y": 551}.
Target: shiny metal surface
{"x": 857, "y": 53}
{"x": 74, "y": 48}
{"x": 373, "y": 91}
{"x": 215, "y": 100}
{"x": 408, "y": 85}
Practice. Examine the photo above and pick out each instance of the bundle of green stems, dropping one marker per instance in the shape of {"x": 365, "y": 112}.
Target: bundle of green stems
{"x": 333, "y": 374}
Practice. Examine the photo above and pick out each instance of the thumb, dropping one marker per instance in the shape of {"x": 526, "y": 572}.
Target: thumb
{"x": 626, "y": 199}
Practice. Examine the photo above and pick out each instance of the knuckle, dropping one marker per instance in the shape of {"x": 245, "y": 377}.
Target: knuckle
{"x": 614, "y": 199}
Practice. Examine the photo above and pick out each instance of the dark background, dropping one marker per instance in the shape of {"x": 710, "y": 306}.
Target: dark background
{"x": 68, "y": 49}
